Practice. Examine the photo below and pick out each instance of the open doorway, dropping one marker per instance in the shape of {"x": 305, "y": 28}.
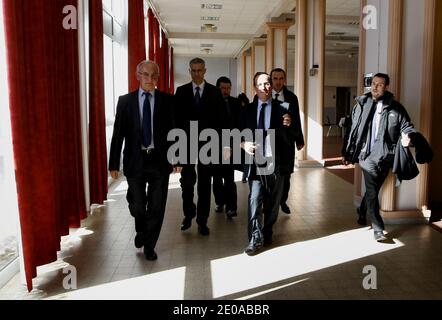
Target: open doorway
{"x": 341, "y": 77}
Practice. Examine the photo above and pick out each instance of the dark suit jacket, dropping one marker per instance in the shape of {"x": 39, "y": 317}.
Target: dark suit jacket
{"x": 298, "y": 136}
{"x": 292, "y": 99}
{"x": 234, "y": 114}
{"x": 210, "y": 114}
{"x": 127, "y": 128}
{"x": 283, "y": 135}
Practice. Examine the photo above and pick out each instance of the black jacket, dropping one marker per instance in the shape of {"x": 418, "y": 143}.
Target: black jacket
{"x": 127, "y": 128}
{"x": 211, "y": 114}
{"x": 298, "y": 135}
{"x": 394, "y": 121}
{"x": 283, "y": 135}
{"x": 404, "y": 165}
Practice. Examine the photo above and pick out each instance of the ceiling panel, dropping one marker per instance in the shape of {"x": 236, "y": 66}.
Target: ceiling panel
{"x": 238, "y": 21}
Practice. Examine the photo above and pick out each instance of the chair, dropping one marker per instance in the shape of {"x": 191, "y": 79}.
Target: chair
{"x": 331, "y": 126}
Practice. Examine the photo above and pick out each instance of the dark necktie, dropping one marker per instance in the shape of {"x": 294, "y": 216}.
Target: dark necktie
{"x": 374, "y": 125}
{"x": 262, "y": 125}
{"x": 147, "y": 119}
{"x": 371, "y": 129}
{"x": 229, "y": 112}
{"x": 197, "y": 96}
{"x": 277, "y": 96}
{"x": 261, "y": 121}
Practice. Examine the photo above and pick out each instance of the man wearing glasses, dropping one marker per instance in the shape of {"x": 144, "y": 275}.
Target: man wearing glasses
{"x": 143, "y": 120}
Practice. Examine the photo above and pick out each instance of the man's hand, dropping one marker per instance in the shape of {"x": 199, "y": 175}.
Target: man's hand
{"x": 227, "y": 153}
{"x": 299, "y": 147}
{"x": 177, "y": 169}
{"x": 114, "y": 174}
{"x": 249, "y": 147}
{"x": 405, "y": 140}
{"x": 286, "y": 120}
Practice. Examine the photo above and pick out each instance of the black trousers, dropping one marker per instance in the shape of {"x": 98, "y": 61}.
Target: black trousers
{"x": 224, "y": 187}
{"x": 370, "y": 202}
{"x": 204, "y": 190}
{"x": 148, "y": 207}
{"x": 285, "y": 188}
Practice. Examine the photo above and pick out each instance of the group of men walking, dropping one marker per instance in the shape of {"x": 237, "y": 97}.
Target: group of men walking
{"x": 145, "y": 117}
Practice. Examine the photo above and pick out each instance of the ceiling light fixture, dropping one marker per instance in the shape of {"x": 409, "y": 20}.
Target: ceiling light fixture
{"x": 206, "y": 50}
{"x": 209, "y": 27}
{"x": 211, "y": 6}
{"x": 207, "y": 18}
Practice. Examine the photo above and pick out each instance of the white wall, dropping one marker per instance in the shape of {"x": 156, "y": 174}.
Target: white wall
{"x": 411, "y": 78}
{"x": 377, "y": 40}
{"x": 216, "y": 67}
{"x": 314, "y": 125}
{"x": 341, "y": 71}
{"x": 411, "y": 84}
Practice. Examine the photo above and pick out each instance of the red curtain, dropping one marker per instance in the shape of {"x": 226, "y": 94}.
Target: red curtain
{"x": 159, "y": 58}
{"x": 151, "y": 25}
{"x": 165, "y": 48}
{"x": 172, "y": 73}
{"x": 156, "y": 39}
{"x": 136, "y": 40}
{"x": 97, "y": 113}
{"x": 46, "y": 125}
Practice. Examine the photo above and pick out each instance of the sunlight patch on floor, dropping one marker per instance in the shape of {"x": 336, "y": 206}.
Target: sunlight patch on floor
{"x": 166, "y": 285}
{"x": 239, "y": 273}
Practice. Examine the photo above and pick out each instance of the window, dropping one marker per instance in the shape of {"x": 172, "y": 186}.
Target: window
{"x": 115, "y": 59}
{"x": 8, "y": 191}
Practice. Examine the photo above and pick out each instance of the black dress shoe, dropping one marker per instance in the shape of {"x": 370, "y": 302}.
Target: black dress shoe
{"x": 231, "y": 213}
{"x": 219, "y": 209}
{"x": 187, "y": 222}
{"x": 252, "y": 249}
{"x": 139, "y": 240}
{"x": 379, "y": 236}
{"x": 150, "y": 254}
{"x": 203, "y": 230}
{"x": 285, "y": 208}
{"x": 244, "y": 180}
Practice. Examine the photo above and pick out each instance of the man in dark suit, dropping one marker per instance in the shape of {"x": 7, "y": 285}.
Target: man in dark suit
{"x": 143, "y": 120}
{"x": 202, "y": 102}
{"x": 285, "y": 96}
{"x": 224, "y": 187}
{"x": 265, "y": 185}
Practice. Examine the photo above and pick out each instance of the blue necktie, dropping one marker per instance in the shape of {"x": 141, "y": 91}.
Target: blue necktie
{"x": 261, "y": 121}
{"x": 147, "y": 118}
{"x": 197, "y": 96}
{"x": 262, "y": 126}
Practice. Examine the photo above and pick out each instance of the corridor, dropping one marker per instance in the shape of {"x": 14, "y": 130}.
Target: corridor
{"x": 319, "y": 252}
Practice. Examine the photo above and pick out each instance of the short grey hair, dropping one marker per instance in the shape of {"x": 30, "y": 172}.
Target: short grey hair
{"x": 148, "y": 62}
{"x": 197, "y": 61}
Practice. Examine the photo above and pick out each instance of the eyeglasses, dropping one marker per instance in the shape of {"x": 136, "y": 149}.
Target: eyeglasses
{"x": 146, "y": 75}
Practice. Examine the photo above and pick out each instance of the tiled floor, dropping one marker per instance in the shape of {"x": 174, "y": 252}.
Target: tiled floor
{"x": 319, "y": 252}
